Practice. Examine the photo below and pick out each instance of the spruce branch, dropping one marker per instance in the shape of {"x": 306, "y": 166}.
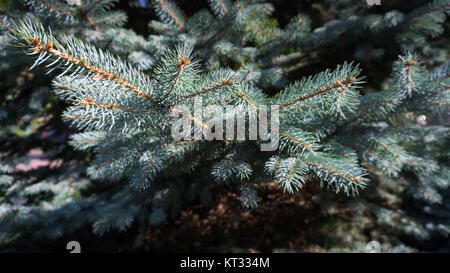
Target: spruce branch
{"x": 315, "y": 112}
{"x": 338, "y": 173}
{"x": 4, "y": 24}
{"x": 249, "y": 196}
{"x": 91, "y": 7}
{"x": 220, "y": 7}
{"x": 55, "y": 8}
{"x": 84, "y": 13}
{"x": 170, "y": 13}
{"x": 290, "y": 173}
{"x": 343, "y": 80}
{"x": 435, "y": 6}
{"x": 297, "y": 140}
{"x": 47, "y": 46}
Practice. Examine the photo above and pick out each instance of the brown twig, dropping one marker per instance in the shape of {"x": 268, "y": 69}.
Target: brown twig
{"x": 82, "y": 63}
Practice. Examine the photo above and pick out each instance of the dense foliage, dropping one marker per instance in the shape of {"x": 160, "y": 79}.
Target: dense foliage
{"x": 337, "y": 128}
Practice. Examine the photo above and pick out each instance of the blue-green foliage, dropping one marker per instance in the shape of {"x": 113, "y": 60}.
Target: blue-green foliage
{"x": 122, "y": 88}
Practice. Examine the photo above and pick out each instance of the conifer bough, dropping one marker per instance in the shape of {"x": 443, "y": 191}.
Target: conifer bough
{"x": 328, "y": 131}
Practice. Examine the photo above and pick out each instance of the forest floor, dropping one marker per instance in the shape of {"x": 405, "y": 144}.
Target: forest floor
{"x": 282, "y": 223}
